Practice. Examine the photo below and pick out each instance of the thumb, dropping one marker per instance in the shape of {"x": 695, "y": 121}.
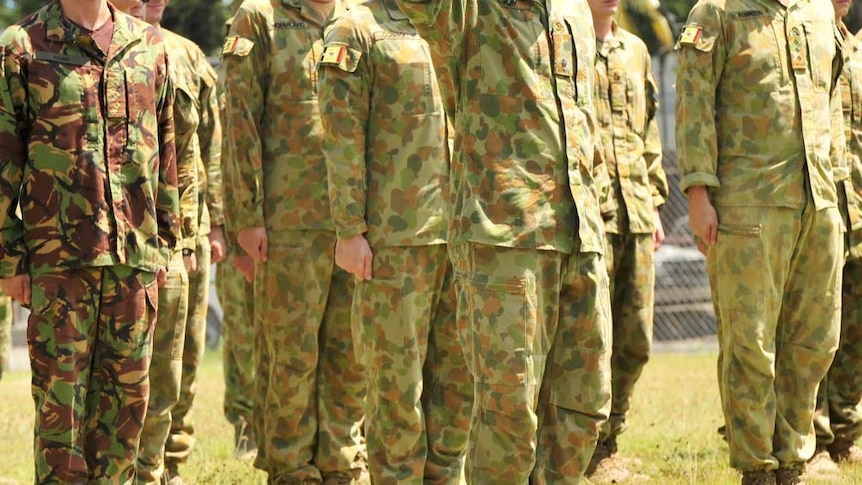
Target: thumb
{"x": 264, "y": 248}
{"x": 366, "y": 266}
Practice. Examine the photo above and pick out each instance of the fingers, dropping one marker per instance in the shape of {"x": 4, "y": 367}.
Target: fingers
{"x": 366, "y": 267}
{"x": 264, "y": 249}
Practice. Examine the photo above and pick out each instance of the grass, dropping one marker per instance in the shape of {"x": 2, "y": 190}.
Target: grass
{"x": 672, "y": 428}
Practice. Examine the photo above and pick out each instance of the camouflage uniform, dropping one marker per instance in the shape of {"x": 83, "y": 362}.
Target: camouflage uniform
{"x": 526, "y": 234}
{"x": 5, "y": 331}
{"x": 630, "y": 148}
{"x": 87, "y": 149}
{"x": 309, "y": 390}
{"x": 200, "y": 79}
{"x": 386, "y": 146}
{"x": 838, "y": 422}
{"x": 236, "y": 296}
{"x": 755, "y": 103}
{"x": 195, "y": 108}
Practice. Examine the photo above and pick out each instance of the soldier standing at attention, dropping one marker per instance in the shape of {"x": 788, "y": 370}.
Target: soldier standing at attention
{"x": 838, "y": 422}
{"x": 87, "y": 152}
{"x": 309, "y": 389}
{"x": 387, "y": 155}
{"x": 234, "y": 279}
{"x": 759, "y": 134}
{"x": 195, "y": 84}
{"x": 526, "y": 234}
{"x": 629, "y": 146}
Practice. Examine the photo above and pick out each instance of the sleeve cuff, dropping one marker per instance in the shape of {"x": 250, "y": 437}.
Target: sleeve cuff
{"x": 698, "y": 178}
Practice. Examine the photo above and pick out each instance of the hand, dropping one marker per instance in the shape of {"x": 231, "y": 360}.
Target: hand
{"x": 245, "y": 265}
{"x": 161, "y": 276}
{"x": 702, "y": 217}
{"x": 190, "y": 261}
{"x": 354, "y": 256}
{"x": 658, "y": 234}
{"x": 218, "y": 244}
{"x": 253, "y": 241}
{"x": 18, "y": 288}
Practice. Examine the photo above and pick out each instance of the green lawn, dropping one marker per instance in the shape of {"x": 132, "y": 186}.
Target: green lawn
{"x": 671, "y": 428}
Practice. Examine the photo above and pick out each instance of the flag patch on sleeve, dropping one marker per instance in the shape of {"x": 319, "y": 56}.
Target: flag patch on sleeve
{"x": 333, "y": 54}
{"x": 690, "y": 35}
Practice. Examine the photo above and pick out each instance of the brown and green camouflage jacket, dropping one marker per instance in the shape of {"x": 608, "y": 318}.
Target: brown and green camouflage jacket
{"x": 384, "y": 129}
{"x": 517, "y": 80}
{"x": 628, "y": 139}
{"x": 198, "y": 128}
{"x": 273, "y": 163}
{"x": 86, "y": 147}
{"x": 850, "y": 190}
{"x": 756, "y": 102}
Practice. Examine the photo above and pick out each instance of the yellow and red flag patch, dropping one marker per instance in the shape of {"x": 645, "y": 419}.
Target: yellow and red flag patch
{"x": 690, "y": 35}
{"x": 333, "y": 54}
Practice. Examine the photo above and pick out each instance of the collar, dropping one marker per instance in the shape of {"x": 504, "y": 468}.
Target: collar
{"x": 395, "y": 13}
{"x": 59, "y": 29}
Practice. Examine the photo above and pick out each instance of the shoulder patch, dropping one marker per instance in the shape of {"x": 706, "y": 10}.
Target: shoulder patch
{"x": 690, "y": 35}
{"x": 340, "y": 56}
{"x": 333, "y": 54}
{"x": 237, "y": 46}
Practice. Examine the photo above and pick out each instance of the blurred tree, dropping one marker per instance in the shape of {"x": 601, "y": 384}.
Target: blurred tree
{"x": 202, "y": 21}
{"x": 679, "y": 8}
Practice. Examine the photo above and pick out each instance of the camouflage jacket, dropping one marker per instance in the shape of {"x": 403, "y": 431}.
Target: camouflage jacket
{"x": 521, "y": 102}
{"x": 273, "y": 161}
{"x": 756, "y": 102}
{"x": 86, "y": 147}
{"x": 627, "y": 139}
{"x": 384, "y": 129}
{"x": 850, "y": 189}
{"x": 198, "y": 135}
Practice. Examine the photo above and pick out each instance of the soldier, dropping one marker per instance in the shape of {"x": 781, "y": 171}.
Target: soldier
{"x": 526, "y": 232}
{"x": 236, "y": 295}
{"x": 387, "y": 155}
{"x": 87, "y": 152}
{"x": 756, "y": 107}
{"x": 838, "y": 421}
{"x": 309, "y": 390}
{"x": 195, "y": 83}
{"x": 630, "y": 148}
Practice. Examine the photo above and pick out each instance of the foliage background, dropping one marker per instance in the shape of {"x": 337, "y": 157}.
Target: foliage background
{"x": 200, "y": 20}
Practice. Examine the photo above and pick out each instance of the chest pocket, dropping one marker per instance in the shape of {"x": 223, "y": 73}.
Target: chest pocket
{"x": 57, "y": 110}
{"x": 405, "y": 73}
{"x": 296, "y": 47}
{"x": 574, "y": 40}
{"x": 757, "y": 49}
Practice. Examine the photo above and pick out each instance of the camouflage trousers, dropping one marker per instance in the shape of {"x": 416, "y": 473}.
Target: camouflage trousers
{"x": 181, "y": 439}
{"x": 538, "y": 345}
{"x": 631, "y": 268}
{"x": 5, "y": 331}
{"x": 775, "y": 275}
{"x": 165, "y": 371}
{"x": 89, "y": 335}
{"x": 237, "y": 301}
{"x": 309, "y": 390}
{"x": 839, "y": 415}
{"x": 420, "y": 394}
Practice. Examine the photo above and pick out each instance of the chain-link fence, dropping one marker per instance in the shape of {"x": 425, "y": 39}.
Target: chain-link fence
{"x": 683, "y": 306}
